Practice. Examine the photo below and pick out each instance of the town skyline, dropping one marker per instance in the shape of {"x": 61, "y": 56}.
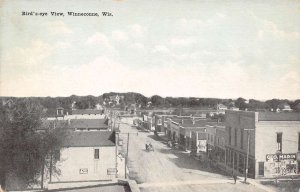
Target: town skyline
{"x": 147, "y": 96}
{"x": 197, "y": 49}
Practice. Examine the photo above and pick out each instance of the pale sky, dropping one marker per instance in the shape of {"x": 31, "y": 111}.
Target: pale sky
{"x": 223, "y": 49}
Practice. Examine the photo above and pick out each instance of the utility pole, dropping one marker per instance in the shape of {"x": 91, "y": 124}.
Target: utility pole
{"x": 50, "y": 174}
{"x": 126, "y": 159}
{"x": 233, "y": 154}
{"x": 127, "y": 145}
{"x": 248, "y": 151}
{"x": 116, "y": 151}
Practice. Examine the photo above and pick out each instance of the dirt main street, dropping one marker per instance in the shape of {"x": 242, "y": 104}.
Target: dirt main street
{"x": 171, "y": 170}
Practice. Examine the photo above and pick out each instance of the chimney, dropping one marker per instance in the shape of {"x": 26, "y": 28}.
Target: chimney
{"x": 193, "y": 120}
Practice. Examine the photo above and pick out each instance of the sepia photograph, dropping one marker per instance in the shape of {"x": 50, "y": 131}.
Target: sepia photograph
{"x": 149, "y": 96}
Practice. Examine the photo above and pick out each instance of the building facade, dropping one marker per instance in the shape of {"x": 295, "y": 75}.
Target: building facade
{"x": 271, "y": 141}
{"x": 86, "y": 156}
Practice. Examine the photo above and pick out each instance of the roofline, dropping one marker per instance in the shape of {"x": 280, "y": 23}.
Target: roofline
{"x": 90, "y": 146}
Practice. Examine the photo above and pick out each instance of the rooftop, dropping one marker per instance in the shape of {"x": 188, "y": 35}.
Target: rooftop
{"x": 86, "y": 111}
{"x": 188, "y": 122}
{"x": 284, "y": 116}
{"x": 50, "y": 124}
{"x": 89, "y": 123}
{"x": 89, "y": 139}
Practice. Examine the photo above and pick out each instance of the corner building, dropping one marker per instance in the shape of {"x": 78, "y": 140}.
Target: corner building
{"x": 273, "y": 140}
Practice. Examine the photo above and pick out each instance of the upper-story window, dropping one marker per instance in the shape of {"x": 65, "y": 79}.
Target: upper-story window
{"x": 299, "y": 142}
{"x": 279, "y": 142}
{"x": 229, "y": 130}
{"x": 235, "y": 136}
{"x": 242, "y": 138}
{"x": 96, "y": 153}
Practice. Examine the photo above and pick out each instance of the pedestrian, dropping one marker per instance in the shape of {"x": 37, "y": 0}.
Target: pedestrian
{"x": 234, "y": 177}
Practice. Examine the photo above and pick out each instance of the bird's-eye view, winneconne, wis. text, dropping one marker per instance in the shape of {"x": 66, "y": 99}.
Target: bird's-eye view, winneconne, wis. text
{"x": 149, "y": 96}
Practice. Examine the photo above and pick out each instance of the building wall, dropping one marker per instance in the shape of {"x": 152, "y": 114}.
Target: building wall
{"x": 174, "y": 131}
{"x": 239, "y": 121}
{"x": 211, "y": 135}
{"x": 236, "y": 148}
{"x": 73, "y": 159}
{"x": 220, "y": 137}
{"x": 266, "y": 143}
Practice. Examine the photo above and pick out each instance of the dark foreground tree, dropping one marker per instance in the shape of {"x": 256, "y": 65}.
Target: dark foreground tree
{"x": 24, "y": 151}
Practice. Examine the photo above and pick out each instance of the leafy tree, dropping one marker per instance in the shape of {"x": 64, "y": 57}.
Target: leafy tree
{"x": 157, "y": 100}
{"x": 275, "y": 103}
{"x": 255, "y": 105}
{"x": 295, "y": 105}
{"x": 24, "y": 151}
{"x": 240, "y": 103}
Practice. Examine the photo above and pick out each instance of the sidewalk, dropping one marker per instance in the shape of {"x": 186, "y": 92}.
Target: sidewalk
{"x": 256, "y": 184}
{"x": 240, "y": 179}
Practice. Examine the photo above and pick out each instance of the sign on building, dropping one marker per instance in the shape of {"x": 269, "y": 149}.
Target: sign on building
{"x": 280, "y": 157}
{"x": 280, "y": 165}
{"x": 83, "y": 171}
{"x": 111, "y": 171}
{"x": 201, "y": 146}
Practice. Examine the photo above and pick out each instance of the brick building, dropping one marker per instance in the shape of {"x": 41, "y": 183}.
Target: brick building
{"x": 273, "y": 140}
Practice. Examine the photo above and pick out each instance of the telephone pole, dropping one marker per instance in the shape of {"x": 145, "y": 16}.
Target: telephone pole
{"x": 127, "y": 145}
{"x": 248, "y": 151}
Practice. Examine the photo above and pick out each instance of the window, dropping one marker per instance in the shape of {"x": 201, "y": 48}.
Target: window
{"x": 242, "y": 138}
{"x": 159, "y": 122}
{"x": 299, "y": 142}
{"x": 96, "y": 153}
{"x": 279, "y": 141}
{"x": 235, "y": 137}
{"x": 229, "y": 135}
{"x": 261, "y": 168}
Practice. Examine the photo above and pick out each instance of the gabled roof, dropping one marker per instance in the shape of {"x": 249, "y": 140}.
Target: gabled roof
{"x": 89, "y": 139}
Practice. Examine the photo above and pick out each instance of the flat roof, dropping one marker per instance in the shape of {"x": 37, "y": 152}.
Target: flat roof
{"x": 282, "y": 116}
{"x": 89, "y": 123}
{"x": 188, "y": 122}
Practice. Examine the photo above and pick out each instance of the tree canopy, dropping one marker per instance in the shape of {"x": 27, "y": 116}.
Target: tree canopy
{"x": 24, "y": 151}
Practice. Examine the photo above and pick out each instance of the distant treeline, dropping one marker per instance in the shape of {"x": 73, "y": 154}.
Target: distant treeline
{"x": 140, "y": 101}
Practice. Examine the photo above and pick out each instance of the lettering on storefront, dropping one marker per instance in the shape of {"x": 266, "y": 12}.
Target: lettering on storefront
{"x": 280, "y": 165}
{"x": 279, "y": 157}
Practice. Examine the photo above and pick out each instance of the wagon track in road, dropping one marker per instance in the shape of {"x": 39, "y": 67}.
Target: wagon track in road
{"x": 170, "y": 170}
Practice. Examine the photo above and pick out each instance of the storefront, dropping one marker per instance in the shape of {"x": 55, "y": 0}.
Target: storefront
{"x": 277, "y": 165}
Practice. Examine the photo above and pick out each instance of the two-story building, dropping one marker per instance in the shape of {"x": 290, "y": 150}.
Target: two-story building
{"x": 85, "y": 156}
{"x": 270, "y": 140}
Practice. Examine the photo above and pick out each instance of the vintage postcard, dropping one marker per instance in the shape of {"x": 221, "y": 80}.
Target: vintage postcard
{"x": 128, "y": 95}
